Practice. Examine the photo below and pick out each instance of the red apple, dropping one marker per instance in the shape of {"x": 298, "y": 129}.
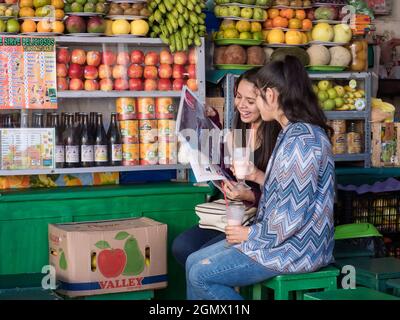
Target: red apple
{"x": 178, "y": 84}
{"x": 93, "y": 58}
{"x": 178, "y": 71}
{"x": 106, "y": 84}
{"x": 191, "y": 70}
{"x": 192, "y": 56}
{"x": 105, "y": 71}
{"x": 62, "y": 70}
{"x": 63, "y": 55}
{"x": 166, "y": 57}
{"x": 91, "y": 85}
{"x": 78, "y": 56}
{"x": 137, "y": 57}
{"x": 123, "y": 58}
{"x": 164, "y": 85}
{"x": 136, "y": 84}
{"x": 90, "y": 73}
{"x": 165, "y": 71}
{"x": 150, "y": 72}
{"x": 180, "y": 58}
{"x": 75, "y": 71}
{"x": 150, "y": 85}
{"x": 121, "y": 84}
{"x": 120, "y": 72}
{"x": 192, "y": 84}
{"x": 108, "y": 58}
{"x": 111, "y": 262}
{"x": 62, "y": 84}
{"x": 135, "y": 71}
{"x": 151, "y": 58}
{"x": 75, "y": 84}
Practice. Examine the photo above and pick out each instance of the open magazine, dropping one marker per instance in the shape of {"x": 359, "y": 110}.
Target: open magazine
{"x": 200, "y": 139}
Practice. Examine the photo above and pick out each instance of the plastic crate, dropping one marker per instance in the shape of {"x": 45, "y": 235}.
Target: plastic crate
{"x": 379, "y": 209}
{"x": 393, "y": 246}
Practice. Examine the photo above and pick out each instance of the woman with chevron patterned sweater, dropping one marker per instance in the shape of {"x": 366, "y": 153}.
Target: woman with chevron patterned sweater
{"x": 293, "y": 230}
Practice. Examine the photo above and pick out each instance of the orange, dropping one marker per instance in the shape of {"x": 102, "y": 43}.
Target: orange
{"x": 44, "y": 26}
{"x": 295, "y": 24}
{"x": 293, "y": 37}
{"x": 268, "y": 24}
{"x": 265, "y": 35}
{"x": 280, "y": 22}
{"x": 300, "y": 14}
{"x": 276, "y": 36}
{"x": 307, "y": 24}
{"x": 28, "y": 26}
{"x": 58, "y": 26}
{"x": 26, "y": 12}
{"x": 304, "y": 38}
{"x": 57, "y": 4}
{"x": 287, "y": 13}
{"x": 272, "y": 13}
{"x": 59, "y": 14}
{"x": 26, "y": 3}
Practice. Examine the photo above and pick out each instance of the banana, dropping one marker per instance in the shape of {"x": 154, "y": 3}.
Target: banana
{"x": 193, "y": 2}
{"x": 185, "y": 32}
{"x": 162, "y": 8}
{"x": 180, "y": 8}
{"x": 196, "y": 29}
{"x": 173, "y": 2}
{"x": 164, "y": 30}
{"x": 175, "y": 13}
{"x": 193, "y": 18}
{"x": 181, "y": 21}
{"x": 200, "y": 20}
{"x": 178, "y": 41}
{"x": 197, "y": 40}
{"x": 172, "y": 45}
{"x": 153, "y": 5}
{"x": 191, "y": 32}
{"x": 202, "y": 28}
{"x": 168, "y": 5}
{"x": 186, "y": 14}
{"x": 164, "y": 39}
{"x": 184, "y": 44}
{"x": 184, "y": 2}
{"x": 190, "y": 6}
{"x": 173, "y": 22}
{"x": 169, "y": 27}
{"x": 203, "y": 15}
{"x": 151, "y": 19}
{"x": 153, "y": 35}
{"x": 190, "y": 42}
{"x": 197, "y": 8}
{"x": 158, "y": 16}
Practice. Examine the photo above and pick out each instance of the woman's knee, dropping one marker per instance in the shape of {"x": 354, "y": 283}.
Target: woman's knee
{"x": 196, "y": 273}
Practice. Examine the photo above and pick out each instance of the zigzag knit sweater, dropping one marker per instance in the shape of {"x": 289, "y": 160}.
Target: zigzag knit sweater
{"x": 293, "y": 231}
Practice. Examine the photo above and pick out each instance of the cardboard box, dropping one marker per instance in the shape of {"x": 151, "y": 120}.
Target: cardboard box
{"x": 385, "y": 145}
{"x": 109, "y": 256}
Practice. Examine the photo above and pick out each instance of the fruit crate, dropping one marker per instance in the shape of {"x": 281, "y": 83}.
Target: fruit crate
{"x": 393, "y": 246}
{"x": 385, "y": 145}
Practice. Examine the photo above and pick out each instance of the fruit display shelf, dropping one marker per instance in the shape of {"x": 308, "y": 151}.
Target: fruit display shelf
{"x": 71, "y": 94}
{"x": 139, "y": 41}
{"x": 242, "y": 5}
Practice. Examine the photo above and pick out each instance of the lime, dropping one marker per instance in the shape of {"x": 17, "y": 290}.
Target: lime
{"x": 82, "y": 2}
{"x": 246, "y": 35}
{"x": 89, "y": 7}
{"x": 92, "y": 1}
{"x": 258, "y": 35}
{"x": 2, "y": 26}
{"x": 67, "y": 8}
{"x": 12, "y": 25}
{"x": 76, "y": 7}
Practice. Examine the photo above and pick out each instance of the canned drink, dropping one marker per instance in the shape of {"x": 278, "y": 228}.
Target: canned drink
{"x": 130, "y": 154}
{"x": 129, "y": 131}
{"x": 165, "y": 108}
{"x": 126, "y": 108}
{"x": 148, "y": 131}
{"x": 338, "y": 126}
{"x": 146, "y": 108}
{"x": 166, "y": 130}
{"x": 167, "y": 153}
{"x": 339, "y": 143}
{"x": 148, "y": 153}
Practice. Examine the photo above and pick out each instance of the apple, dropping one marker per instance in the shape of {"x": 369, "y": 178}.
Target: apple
{"x": 324, "y": 85}
{"x": 93, "y": 58}
{"x": 136, "y": 85}
{"x": 135, "y": 71}
{"x": 121, "y": 84}
{"x": 323, "y": 96}
{"x": 151, "y": 58}
{"x": 246, "y": 13}
{"x": 78, "y": 56}
{"x": 108, "y": 58}
{"x": 150, "y": 72}
{"x": 75, "y": 71}
{"x": 137, "y": 57}
{"x": 164, "y": 85}
{"x": 106, "y": 85}
{"x": 150, "y": 85}
{"x": 75, "y": 84}
{"x": 111, "y": 262}
{"x": 91, "y": 85}
{"x": 192, "y": 84}
{"x": 191, "y": 70}
{"x": 180, "y": 58}
{"x": 105, "y": 71}
{"x": 340, "y": 91}
{"x": 178, "y": 71}
{"x": 120, "y": 72}
{"x": 62, "y": 70}
{"x": 178, "y": 84}
{"x": 234, "y": 11}
{"x": 123, "y": 58}
{"x": 90, "y": 73}
{"x": 63, "y": 55}
{"x": 332, "y": 94}
{"x": 62, "y": 84}
{"x": 339, "y": 102}
{"x": 165, "y": 71}
{"x": 166, "y": 57}
{"x": 192, "y": 56}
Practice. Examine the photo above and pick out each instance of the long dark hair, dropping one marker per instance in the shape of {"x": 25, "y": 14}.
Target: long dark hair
{"x": 296, "y": 96}
{"x": 267, "y": 132}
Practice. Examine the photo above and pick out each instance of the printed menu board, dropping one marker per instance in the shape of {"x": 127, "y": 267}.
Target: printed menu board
{"x": 27, "y": 73}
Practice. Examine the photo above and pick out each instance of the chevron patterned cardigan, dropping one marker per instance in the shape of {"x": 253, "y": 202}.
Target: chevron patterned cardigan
{"x": 293, "y": 231}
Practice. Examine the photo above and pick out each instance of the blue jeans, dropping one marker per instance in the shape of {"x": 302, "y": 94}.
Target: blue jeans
{"x": 192, "y": 240}
{"x": 213, "y": 272}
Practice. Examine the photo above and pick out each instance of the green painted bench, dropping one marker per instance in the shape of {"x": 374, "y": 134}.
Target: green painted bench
{"x": 360, "y": 293}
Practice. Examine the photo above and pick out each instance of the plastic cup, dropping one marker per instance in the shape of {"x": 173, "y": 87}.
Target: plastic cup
{"x": 235, "y": 214}
{"x": 240, "y": 162}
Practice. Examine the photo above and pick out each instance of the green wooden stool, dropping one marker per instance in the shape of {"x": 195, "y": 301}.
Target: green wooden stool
{"x": 283, "y": 285}
{"x": 360, "y": 293}
{"x": 373, "y": 272}
{"x": 395, "y": 285}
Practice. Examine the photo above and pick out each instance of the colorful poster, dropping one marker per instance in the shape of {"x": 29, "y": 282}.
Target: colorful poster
{"x": 28, "y": 73}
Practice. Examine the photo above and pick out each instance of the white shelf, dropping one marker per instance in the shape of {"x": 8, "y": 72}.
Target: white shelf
{"x": 114, "y": 40}
{"x": 68, "y": 94}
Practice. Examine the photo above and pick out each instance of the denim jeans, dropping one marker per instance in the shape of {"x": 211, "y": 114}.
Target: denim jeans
{"x": 192, "y": 240}
{"x": 213, "y": 272}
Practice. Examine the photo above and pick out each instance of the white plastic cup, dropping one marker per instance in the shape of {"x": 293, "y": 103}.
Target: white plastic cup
{"x": 240, "y": 162}
{"x": 235, "y": 214}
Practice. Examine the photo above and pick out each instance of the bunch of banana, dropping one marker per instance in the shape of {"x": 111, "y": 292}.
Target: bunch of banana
{"x": 382, "y": 111}
{"x": 178, "y": 23}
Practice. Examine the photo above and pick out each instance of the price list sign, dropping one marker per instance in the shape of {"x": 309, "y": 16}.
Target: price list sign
{"x": 28, "y": 73}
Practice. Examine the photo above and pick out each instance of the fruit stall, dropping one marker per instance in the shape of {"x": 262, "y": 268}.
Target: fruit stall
{"x": 91, "y": 90}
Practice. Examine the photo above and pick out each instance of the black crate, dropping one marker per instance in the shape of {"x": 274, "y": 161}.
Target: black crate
{"x": 393, "y": 246}
{"x": 380, "y": 209}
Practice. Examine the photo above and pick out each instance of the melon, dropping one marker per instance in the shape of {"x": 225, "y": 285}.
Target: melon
{"x": 319, "y": 55}
{"x": 340, "y": 56}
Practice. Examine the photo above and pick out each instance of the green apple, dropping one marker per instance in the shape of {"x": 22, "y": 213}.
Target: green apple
{"x": 224, "y": 11}
{"x": 328, "y": 105}
{"x": 246, "y": 35}
{"x": 246, "y": 13}
{"x": 2, "y": 26}
{"x": 315, "y": 88}
{"x": 234, "y": 11}
{"x": 12, "y": 25}
{"x": 258, "y": 35}
{"x": 340, "y": 91}
{"x": 324, "y": 85}
{"x": 332, "y": 94}
{"x": 258, "y": 14}
{"x": 262, "y": 3}
{"x": 217, "y": 11}
{"x": 339, "y": 102}
{"x": 323, "y": 96}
